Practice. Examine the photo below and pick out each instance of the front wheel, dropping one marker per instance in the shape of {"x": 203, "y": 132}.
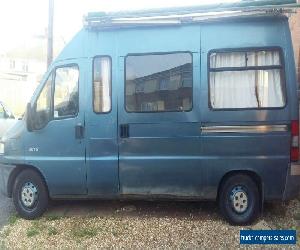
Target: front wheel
{"x": 30, "y": 195}
{"x": 239, "y": 200}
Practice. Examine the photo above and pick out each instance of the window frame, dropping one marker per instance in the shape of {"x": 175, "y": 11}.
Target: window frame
{"x": 249, "y": 49}
{"x": 159, "y": 53}
{"x": 53, "y": 91}
{"x": 53, "y": 73}
{"x": 111, "y": 81}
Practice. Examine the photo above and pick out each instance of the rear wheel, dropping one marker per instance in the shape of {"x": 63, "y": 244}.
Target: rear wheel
{"x": 30, "y": 195}
{"x": 239, "y": 200}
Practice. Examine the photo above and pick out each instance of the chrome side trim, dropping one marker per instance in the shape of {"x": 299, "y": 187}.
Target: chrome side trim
{"x": 245, "y": 129}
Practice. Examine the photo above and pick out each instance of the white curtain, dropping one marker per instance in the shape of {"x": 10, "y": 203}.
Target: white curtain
{"x": 269, "y": 89}
{"x": 233, "y": 89}
{"x": 248, "y": 88}
{"x": 263, "y": 58}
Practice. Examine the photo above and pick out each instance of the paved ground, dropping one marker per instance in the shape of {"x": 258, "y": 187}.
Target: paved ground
{"x": 6, "y": 208}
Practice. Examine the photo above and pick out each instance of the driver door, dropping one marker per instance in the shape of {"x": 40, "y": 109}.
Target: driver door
{"x": 57, "y": 145}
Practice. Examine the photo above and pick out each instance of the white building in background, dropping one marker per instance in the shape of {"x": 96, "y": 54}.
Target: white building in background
{"x": 18, "y": 80}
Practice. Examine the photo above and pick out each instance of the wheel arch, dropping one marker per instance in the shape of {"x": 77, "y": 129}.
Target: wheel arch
{"x": 17, "y": 170}
{"x": 252, "y": 174}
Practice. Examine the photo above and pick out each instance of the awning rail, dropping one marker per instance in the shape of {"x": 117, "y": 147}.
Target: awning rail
{"x": 177, "y": 16}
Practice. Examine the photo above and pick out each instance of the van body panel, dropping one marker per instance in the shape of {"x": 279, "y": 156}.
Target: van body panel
{"x": 261, "y": 33}
{"x": 75, "y": 49}
{"x": 162, "y": 162}
{"x": 155, "y": 40}
{"x": 160, "y": 156}
{"x": 259, "y": 153}
{"x": 5, "y": 172}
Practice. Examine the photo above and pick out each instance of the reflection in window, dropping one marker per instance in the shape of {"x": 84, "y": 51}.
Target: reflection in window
{"x": 44, "y": 101}
{"x": 2, "y": 113}
{"x": 66, "y": 91}
{"x": 43, "y": 104}
{"x": 159, "y": 83}
{"x": 102, "y": 84}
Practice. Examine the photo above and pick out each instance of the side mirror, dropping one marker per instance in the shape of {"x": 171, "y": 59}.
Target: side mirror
{"x": 29, "y": 118}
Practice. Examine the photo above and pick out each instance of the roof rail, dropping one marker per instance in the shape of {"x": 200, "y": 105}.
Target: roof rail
{"x": 180, "y": 15}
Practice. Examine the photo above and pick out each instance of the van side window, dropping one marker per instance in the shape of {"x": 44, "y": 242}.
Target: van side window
{"x": 246, "y": 79}
{"x": 66, "y": 91}
{"x": 159, "y": 82}
{"x": 102, "y": 84}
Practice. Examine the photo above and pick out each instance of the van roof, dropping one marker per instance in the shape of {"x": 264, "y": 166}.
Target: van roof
{"x": 181, "y": 15}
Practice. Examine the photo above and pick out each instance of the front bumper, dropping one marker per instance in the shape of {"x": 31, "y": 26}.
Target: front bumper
{"x": 5, "y": 171}
{"x": 292, "y": 185}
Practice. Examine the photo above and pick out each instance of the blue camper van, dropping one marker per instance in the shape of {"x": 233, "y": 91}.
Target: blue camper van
{"x": 175, "y": 108}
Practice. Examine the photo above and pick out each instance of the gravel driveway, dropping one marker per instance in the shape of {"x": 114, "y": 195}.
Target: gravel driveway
{"x": 6, "y": 208}
{"x": 139, "y": 225}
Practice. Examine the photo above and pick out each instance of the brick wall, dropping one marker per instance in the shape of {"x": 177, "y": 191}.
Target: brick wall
{"x": 295, "y": 29}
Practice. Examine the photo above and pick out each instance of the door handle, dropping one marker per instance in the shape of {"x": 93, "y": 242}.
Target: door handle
{"x": 124, "y": 130}
{"x": 79, "y": 131}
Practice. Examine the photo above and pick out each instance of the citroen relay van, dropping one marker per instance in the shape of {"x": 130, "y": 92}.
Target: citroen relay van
{"x": 162, "y": 109}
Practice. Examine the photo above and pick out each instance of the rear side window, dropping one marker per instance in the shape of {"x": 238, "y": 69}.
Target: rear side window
{"x": 102, "y": 84}
{"x": 246, "y": 79}
{"x": 159, "y": 82}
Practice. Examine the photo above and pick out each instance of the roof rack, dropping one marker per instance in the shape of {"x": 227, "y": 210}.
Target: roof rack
{"x": 177, "y": 16}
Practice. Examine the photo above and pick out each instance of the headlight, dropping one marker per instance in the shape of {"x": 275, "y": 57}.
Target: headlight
{"x": 1, "y": 148}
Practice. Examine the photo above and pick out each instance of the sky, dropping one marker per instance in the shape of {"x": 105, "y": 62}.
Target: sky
{"x": 22, "y": 21}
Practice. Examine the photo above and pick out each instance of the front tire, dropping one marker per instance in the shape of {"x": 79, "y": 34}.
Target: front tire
{"x": 30, "y": 195}
{"x": 239, "y": 200}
